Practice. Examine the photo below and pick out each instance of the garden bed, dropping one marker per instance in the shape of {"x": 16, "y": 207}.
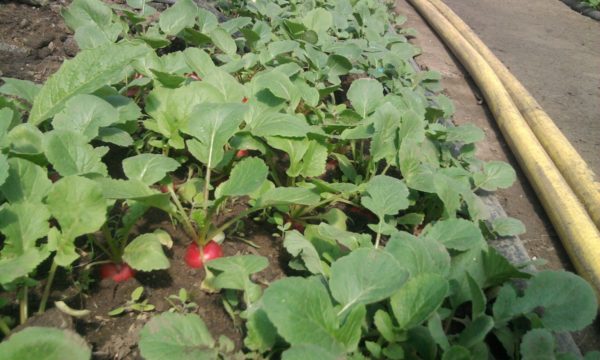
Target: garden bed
{"x": 351, "y": 218}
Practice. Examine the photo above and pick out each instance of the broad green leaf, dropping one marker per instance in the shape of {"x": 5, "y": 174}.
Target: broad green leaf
{"x": 466, "y": 134}
{"x": 498, "y": 270}
{"x": 412, "y": 126}
{"x": 178, "y": 337}
{"x": 223, "y": 41}
{"x": 385, "y": 139}
{"x": 26, "y": 181}
{"x": 233, "y": 272}
{"x": 348, "y": 239}
{"x": 228, "y": 86}
{"x": 495, "y": 174}
{"x": 23, "y": 224}
{"x": 14, "y": 267}
{"x": 288, "y": 195}
{"x": 471, "y": 262}
{"x": 365, "y": 95}
{"x": 338, "y": 65}
{"x": 301, "y": 310}
{"x": 457, "y": 352}
{"x": 278, "y": 124}
{"x": 309, "y": 351}
{"x": 319, "y": 20}
{"x": 3, "y": 168}
{"x": 45, "y": 343}
{"x": 87, "y": 72}
{"x": 213, "y": 125}
{"x": 171, "y": 109}
{"x": 538, "y": 344}
{"x": 307, "y": 157}
{"x": 261, "y": 333}
{"x": 457, "y": 234}
{"x": 23, "y": 89}
{"x": 133, "y": 190}
{"x": 26, "y": 139}
{"x": 298, "y": 245}
{"x": 70, "y": 154}
{"x": 179, "y": 16}
{"x": 419, "y": 255}
{"x": 149, "y": 168}
{"x": 556, "y": 294}
{"x": 350, "y": 330}
{"x": 115, "y": 135}
{"x": 418, "y": 299}
{"x": 199, "y": 61}
{"x": 145, "y": 253}
{"x": 385, "y": 195}
{"x": 85, "y": 115}
{"x": 82, "y": 13}
{"x": 246, "y": 177}
{"x": 277, "y": 83}
{"x": 476, "y": 331}
{"x": 78, "y": 206}
{"x": 365, "y": 276}
{"x": 508, "y": 226}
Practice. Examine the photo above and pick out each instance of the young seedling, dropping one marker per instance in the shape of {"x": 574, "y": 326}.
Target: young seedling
{"x": 181, "y": 302}
{"x": 133, "y": 304}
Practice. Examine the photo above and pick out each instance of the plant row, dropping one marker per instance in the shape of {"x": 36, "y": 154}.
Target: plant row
{"x": 310, "y": 116}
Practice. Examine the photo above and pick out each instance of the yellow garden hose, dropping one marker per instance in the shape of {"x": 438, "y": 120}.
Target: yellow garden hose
{"x": 578, "y": 233}
{"x": 573, "y": 168}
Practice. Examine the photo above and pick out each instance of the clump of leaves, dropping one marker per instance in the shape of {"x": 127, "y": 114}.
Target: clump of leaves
{"x": 181, "y": 302}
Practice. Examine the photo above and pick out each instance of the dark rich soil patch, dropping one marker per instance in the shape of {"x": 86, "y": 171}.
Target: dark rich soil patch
{"x": 117, "y": 337}
{"x": 34, "y": 42}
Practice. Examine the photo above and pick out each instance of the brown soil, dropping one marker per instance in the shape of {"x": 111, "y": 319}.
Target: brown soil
{"x": 33, "y": 41}
{"x": 555, "y": 52}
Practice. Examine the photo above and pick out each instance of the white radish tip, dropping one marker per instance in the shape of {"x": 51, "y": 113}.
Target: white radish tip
{"x": 219, "y": 238}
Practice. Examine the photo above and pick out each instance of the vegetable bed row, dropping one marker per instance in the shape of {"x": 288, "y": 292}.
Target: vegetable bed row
{"x": 310, "y": 116}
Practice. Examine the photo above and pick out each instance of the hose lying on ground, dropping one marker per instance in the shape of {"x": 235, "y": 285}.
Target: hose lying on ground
{"x": 573, "y": 168}
{"x": 579, "y": 234}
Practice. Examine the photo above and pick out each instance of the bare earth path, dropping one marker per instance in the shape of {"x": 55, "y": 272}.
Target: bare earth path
{"x": 555, "y": 53}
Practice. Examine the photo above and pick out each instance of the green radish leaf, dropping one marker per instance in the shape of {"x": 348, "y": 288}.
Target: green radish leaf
{"x": 233, "y": 272}
{"x": 145, "y": 253}
{"x": 70, "y": 154}
{"x": 171, "y": 109}
{"x": 319, "y": 20}
{"x": 351, "y": 329}
{"x": 178, "y": 337}
{"x": 114, "y": 135}
{"x": 466, "y": 134}
{"x": 26, "y": 139}
{"x": 365, "y": 276}
{"x": 149, "y": 168}
{"x": 338, "y": 65}
{"x": 85, "y": 115}
{"x": 199, "y": 61}
{"x": 228, "y": 86}
{"x": 26, "y": 182}
{"x": 385, "y": 139}
{"x": 3, "y": 168}
{"x": 278, "y": 124}
{"x": 309, "y": 351}
{"x": 508, "y": 226}
{"x": 498, "y": 269}
{"x": 223, "y": 41}
{"x": 178, "y": 17}
{"x": 297, "y": 245}
{"x": 23, "y": 224}
{"x": 78, "y": 206}
{"x": 555, "y": 294}
{"x": 418, "y": 299}
{"x": 385, "y": 195}
{"x": 457, "y": 234}
{"x": 277, "y": 83}
{"x": 14, "y": 267}
{"x": 476, "y": 331}
{"x": 261, "y": 333}
{"x": 288, "y": 195}
{"x": 246, "y": 177}
{"x": 87, "y": 72}
{"x": 538, "y": 344}
{"x": 45, "y": 343}
{"x": 301, "y": 310}
{"x": 495, "y": 174}
{"x": 23, "y": 89}
{"x": 365, "y": 95}
{"x": 213, "y": 125}
{"x": 385, "y": 326}
{"x": 307, "y": 157}
{"x": 457, "y": 352}
{"x": 419, "y": 255}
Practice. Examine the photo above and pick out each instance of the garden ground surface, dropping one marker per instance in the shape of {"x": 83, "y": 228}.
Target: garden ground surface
{"x": 555, "y": 53}
{"x": 553, "y": 50}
